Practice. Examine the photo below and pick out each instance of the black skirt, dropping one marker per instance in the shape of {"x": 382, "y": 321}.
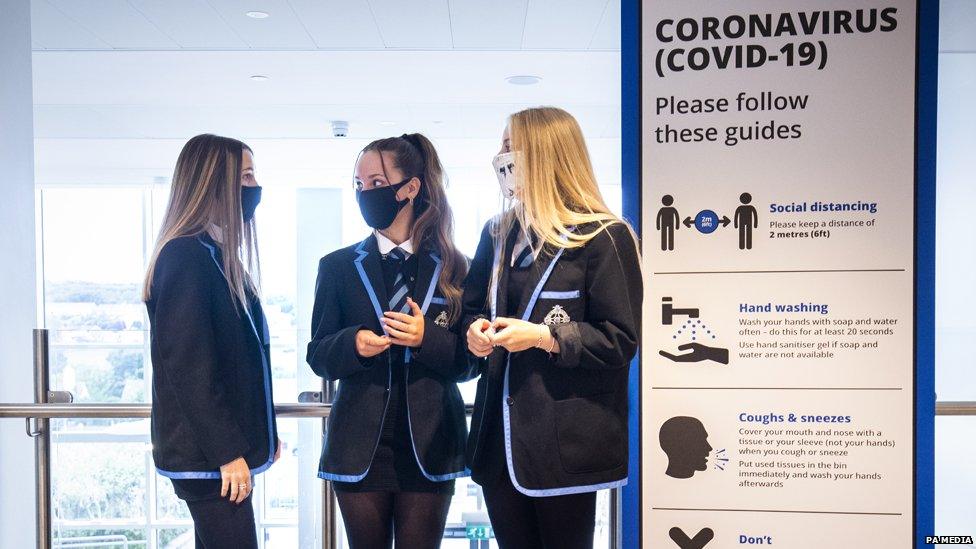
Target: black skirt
{"x": 394, "y": 467}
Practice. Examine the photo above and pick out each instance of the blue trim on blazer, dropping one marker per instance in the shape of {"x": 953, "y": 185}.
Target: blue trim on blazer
{"x": 507, "y": 419}
{"x": 342, "y": 478}
{"x": 362, "y": 276}
{"x": 189, "y": 475}
{"x": 269, "y": 402}
{"x": 423, "y": 308}
{"x": 496, "y": 257}
{"x": 362, "y": 253}
{"x": 560, "y": 295}
{"x": 439, "y": 301}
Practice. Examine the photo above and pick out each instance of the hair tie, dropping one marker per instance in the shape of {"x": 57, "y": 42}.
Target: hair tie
{"x": 412, "y": 139}
{"x": 415, "y": 142}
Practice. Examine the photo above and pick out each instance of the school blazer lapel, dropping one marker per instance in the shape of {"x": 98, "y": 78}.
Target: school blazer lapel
{"x": 539, "y": 274}
{"x": 536, "y": 270}
{"x": 500, "y": 292}
{"x": 428, "y": 273}
{"x": 370, "y": 271}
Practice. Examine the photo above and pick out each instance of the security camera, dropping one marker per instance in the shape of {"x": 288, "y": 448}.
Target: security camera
{"x": 340, "y": 128}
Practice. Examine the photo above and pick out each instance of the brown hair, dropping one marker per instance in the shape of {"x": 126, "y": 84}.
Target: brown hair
{"x": 433, "y": 222}
{"x": 206, "y": 193}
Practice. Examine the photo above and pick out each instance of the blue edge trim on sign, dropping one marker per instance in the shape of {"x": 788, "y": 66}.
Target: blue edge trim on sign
{"x": 927, "y": 69}
{"x": 428, "y": 299}
{"x": 630, "y": 123}
{"x": 262, "y": 341}
{"x": 926, "y": 90}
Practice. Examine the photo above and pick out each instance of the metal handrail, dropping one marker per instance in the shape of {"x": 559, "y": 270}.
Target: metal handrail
{"x": 116, "y": 411}
{"x": 126, "y": 411}
{"x": 129, "y": 411}
{"x": 956, "y": 408}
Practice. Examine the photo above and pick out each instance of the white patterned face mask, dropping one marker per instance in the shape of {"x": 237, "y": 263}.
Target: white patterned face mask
{"x": 504, "y": 165}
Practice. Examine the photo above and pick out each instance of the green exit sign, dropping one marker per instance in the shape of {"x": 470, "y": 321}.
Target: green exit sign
{"x": 479, "y": 532}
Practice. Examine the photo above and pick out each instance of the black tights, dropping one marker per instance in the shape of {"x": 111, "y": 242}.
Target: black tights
{"x": 218, "y": 523}
{"x": 555, "y": 522}
{"x": 374, "y": 519}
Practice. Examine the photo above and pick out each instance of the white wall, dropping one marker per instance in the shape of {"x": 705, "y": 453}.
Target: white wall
{"x": 17, "y": 300}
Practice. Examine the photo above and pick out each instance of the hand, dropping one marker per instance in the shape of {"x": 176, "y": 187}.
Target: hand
{"x": 518, "y": 335}
{"x": 698, "y": 353}
{"x": 235, "y": 478}
{"x": 480, "y": 333}
{"x": 404, "y": 329}
{"x": 369, "y": 344}
{"x": 277, "y": 455}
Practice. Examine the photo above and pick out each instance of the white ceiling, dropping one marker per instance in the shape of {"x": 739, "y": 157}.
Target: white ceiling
{"x": 446, "y": 93}
{"x": 566, "y": 25}
{"x": 155, "y": 69}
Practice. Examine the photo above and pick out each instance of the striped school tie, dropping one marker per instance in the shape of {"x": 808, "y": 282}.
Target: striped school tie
{"x": 522, "y": 255}
{"x": 398, "y": 298}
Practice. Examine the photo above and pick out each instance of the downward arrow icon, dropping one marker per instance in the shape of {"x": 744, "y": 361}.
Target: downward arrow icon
{"x": 700, "y": 540}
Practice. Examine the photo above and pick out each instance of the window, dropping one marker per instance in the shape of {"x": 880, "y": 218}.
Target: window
{"x": 96, "y": 244}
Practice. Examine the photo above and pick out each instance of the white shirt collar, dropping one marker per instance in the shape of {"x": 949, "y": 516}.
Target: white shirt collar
{"x": 385, "y": 244}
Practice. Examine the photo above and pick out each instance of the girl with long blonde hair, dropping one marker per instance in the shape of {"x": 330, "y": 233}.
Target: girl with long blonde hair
{"x": 213, "y": 421}
{"x": 552, "y": 311}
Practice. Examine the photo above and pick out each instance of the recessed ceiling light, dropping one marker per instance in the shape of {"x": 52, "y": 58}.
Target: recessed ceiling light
{"x": 438, "y": 121}
{"x": 523, "y": 80}
{"x": 257, "y": 14}
{"x": 260, "y": 78}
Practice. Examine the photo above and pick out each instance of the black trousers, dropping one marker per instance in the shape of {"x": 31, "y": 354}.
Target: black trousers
{"x": 220, "y": 524}
{"x": 523, "y": 522}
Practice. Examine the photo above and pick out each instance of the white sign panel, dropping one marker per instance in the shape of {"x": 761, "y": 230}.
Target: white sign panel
{"x": 778, "y": 232}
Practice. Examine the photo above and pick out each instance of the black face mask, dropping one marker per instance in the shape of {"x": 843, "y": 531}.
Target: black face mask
{"x": 250, "y": 198}
{"x": 379, "y": 206}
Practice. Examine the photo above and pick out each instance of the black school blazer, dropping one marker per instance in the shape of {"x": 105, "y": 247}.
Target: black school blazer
{"x": 350, "y": 295}
{"x": 211, "y": 368}
{"x": 564, "y": 417}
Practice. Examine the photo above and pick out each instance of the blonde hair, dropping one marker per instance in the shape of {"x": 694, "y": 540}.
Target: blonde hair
{"x": 557, "y": 190}
{"x": 206, "y": 193}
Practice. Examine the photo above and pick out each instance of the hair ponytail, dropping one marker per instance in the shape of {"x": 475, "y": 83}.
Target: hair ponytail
{"x": 433, "y": 224}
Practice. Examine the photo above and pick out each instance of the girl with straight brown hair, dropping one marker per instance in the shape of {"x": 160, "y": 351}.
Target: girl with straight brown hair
{"x": 213, "y": 420}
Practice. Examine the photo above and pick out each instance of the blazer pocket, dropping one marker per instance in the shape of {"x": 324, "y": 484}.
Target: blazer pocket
{"x": 558, "y": 307}
{"x": 553, "y": 294}
{"x": 589, "y": 434}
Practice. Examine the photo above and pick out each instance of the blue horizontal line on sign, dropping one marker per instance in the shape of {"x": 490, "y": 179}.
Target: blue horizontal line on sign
{"x": 779, "y": 511}
{"x": 783, "y": 271}
{"x": 790, "y": 388}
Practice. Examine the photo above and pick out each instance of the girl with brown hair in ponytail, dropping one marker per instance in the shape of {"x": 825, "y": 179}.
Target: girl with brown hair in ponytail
{"x": 385, "y": 326}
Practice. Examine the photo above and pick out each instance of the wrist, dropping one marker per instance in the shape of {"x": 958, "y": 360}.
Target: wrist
{"x": 545, "y": 338}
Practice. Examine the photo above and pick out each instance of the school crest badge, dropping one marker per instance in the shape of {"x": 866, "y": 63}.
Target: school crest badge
{"x": 557, "y": 315}
{"x": 441, "y": 319}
